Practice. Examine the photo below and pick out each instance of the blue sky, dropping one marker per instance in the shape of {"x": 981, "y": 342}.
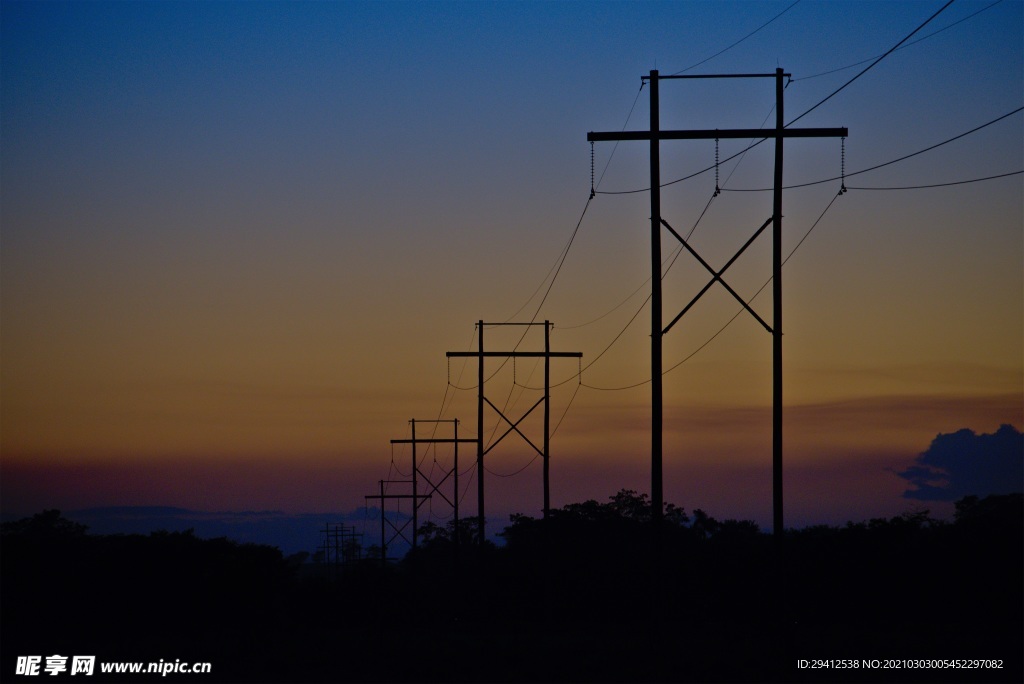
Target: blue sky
{"x": 238, "y": 239}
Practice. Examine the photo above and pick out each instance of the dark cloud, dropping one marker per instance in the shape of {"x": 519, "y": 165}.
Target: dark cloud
{"x": 964, "y": 463}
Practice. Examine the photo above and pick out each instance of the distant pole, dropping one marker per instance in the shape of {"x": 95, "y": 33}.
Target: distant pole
{"x": 382, "y": 497}
{"x": 544, "y": 450}
{"x": 417, "y": 473}
{"x": 656, "y": 334}
{"x": 777, "y": 522}
{"x": 383, "y": 542}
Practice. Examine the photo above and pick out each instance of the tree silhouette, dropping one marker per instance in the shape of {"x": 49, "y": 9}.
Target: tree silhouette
{"x": 590, "y": 593}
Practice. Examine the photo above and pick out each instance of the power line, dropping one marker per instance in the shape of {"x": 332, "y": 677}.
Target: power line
{"x": 646, "y": 301}
{"x": 567, "y": 406}
{"x": 556, "y": 267}
{"x": 821, "y": 102}
{"x": 888, "y": 163}
{"x": 792, "y": 252}
{"x": 872, "y": 65}
{"x": 558, "y": 270}
{"x": 731, "y": 320}
{"x": 913, "y": 42}
{"x": 939, "y": 185}
{"x": 675, "y": 255}
{"x": 514, "y": 472}
{"x": 609, "y": 312}
{"x": 670, "y": 260}
{"x": 708, "y": 59}
{"x": 526, "y": 329}
{"x": 558, "y": 263}
{"x": 616, "y": 145}
{"x": 636, "y": 99}
{"x": 728, "y": 323}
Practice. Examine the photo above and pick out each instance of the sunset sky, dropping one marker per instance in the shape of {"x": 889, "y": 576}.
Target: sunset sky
{"x": 239, "y": 238}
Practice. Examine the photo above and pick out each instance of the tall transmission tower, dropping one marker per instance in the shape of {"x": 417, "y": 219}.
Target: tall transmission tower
{"x": 453, "y": 472}
{"x": 399, "y": 531}
{"x": 655, "y": 135}
{"x": 481, "y": 451}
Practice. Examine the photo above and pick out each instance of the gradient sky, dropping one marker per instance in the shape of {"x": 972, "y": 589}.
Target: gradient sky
{"x": 238, "y": 239}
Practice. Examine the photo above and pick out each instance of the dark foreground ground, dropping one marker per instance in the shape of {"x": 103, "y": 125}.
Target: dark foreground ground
{"x": 594, "y": 594}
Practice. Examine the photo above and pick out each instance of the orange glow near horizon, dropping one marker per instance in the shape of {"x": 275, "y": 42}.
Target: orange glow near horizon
{"x": 228, "y": 285}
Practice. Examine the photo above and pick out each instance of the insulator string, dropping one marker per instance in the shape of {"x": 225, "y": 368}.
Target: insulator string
{"x": 592, "y": 192}
{"x": 717, "y": 189}
{"x": 842, "y": 165}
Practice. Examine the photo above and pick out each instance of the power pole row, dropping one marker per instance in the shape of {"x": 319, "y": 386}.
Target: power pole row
{"x": 340, "y": 546}
{"x": 482, "y": 401}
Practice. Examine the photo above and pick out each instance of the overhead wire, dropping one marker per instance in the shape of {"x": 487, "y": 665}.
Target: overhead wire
{"x": 671, "y": 261}
{"x": 792, "y": 252}
{"x": 729, "y": 322}
{"x": 579, "y": 384}
{"x": 820, "y": 102}
{"x": 884, "y": 164}
{"x": 913, "y": 42}
{"x": 872, "y": 65}
{"x": 939, "y": 185}
{"x": 514, "y": 472}
{"x": 724, "y": 50}
{"x": 469, "y": 482}
{"x": 553, "y": 273}
{"x": 557, "y": 270}
{"x": 395, "y": 465}
{"x": 556, "y": 267}
{"x": 672, "y": 257}
{"x": 565, "y": 251}
{"x": 616, "y": 145}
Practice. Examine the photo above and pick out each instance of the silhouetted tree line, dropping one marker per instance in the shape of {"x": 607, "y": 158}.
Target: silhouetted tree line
{"x": 595, "y": 592}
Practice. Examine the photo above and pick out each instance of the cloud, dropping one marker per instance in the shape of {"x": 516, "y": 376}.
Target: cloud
{"x": 964, "y": 463}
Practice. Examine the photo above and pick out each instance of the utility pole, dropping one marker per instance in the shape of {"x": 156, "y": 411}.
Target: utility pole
{"x": 452, "y": 473}
{"x": 655, "y": 135}
{"x": 482, "y": 399}
{"x": 777, "y": 523}
{"x": 384, "y": 522}
{"x": 341, "y": 547}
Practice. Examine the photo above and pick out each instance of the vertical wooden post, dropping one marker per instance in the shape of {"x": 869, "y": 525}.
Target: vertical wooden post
{"x": 383, "y": 542}
{"x": 777, "y": 521}
{"x": 656, "y": 334}
{"x": 415, "y": 499}
{"x": 481, "y": 524}
{"x": 547, "y": 416}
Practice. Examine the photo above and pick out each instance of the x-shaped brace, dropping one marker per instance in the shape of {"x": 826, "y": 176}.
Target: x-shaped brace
{"x": 515, "y": 425}
{"x": 399, "y": 531}
{"x": 434, "y": 487}
{"x": 716, "y": 276}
